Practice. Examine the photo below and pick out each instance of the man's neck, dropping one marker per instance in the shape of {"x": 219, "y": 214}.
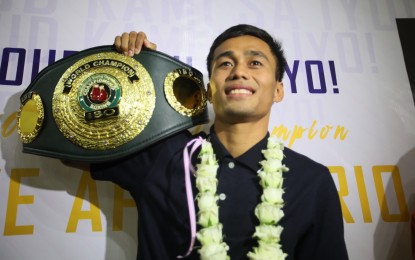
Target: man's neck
{"x": 239, "y": 138}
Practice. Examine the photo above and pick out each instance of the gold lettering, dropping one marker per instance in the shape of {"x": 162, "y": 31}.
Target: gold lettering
{"x": 119, "y": 204}
{"x": 343, "y": 191}
{"x": 340, "y": 131}
{"x": 380, "y": 192}
{"x": 14, "y": 199}
{"x": 361, "y": 188}
{"x": 281, "y": 131}
{"x": 86, "y": 184}
{"x": 298, "y": 133}
{"x": 97, "y": 114}
{"x": 115, "y": 64}
{"x": 325, "y": 131}
{"x": 9, "y": 125}
{"x": 312, "y": 133}
{"x": 109, "y": 112}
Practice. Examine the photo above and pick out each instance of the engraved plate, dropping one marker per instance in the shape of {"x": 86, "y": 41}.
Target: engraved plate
{"x": 99, "y": 101}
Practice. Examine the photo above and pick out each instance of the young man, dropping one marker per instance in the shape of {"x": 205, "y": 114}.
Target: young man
{"x": 246, "y": 67}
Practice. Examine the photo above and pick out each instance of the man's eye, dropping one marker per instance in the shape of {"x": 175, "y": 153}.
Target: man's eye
{"x": 225, "y": 64}
{"x": 256, "y": 63}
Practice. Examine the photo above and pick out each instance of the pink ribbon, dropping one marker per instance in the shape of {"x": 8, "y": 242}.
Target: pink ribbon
{"x": 188, "y": 167}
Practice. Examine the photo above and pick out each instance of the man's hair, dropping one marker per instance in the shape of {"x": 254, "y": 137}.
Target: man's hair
{"x": 245, "y": 29}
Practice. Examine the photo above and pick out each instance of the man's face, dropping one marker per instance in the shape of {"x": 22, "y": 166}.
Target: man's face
{"x": 243, "y": 83}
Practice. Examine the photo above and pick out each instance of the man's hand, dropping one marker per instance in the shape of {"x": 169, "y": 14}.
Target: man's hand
{"x": 131, "y": 43}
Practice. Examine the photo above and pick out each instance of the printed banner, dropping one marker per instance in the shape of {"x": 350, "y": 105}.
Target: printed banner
{"x": 348, "y": 105}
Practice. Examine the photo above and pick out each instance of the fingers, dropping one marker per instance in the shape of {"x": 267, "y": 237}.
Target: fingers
{"x": 136, "y": 40}
{"x": 132, "y": 43}
{"x": 149, "y": 44}
{"x": 125, "y": 43}
{"x": 121, "y": 43}
{"x": 117, "y": 43}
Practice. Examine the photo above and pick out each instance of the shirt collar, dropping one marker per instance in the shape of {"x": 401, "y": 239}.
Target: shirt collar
{"x": 250, "y": 158}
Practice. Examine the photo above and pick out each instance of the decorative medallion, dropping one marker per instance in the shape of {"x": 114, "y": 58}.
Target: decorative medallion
{"x": 103, "y": 101}
{"x": 30, "y": 117}
{"x": 185, "y": 92}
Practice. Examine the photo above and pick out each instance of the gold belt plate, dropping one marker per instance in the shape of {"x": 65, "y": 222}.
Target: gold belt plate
{"x": 103, "y": 101}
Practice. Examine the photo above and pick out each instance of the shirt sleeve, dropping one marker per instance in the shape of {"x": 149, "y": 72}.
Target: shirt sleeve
{"x": 130, "y": 172}
{"x": 127, "y": 170}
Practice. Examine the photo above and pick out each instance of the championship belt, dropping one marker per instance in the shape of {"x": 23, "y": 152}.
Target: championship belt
{"x": 100, "y": 105}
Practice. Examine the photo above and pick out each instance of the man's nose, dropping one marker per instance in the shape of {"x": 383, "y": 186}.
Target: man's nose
{"x": 239, "y": 71}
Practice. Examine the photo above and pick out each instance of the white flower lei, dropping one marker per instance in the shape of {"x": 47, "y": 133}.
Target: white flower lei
{"x": 269, "y": 211}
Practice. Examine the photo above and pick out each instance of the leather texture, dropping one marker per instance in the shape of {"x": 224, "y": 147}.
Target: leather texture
{"x": 165, "y": 121}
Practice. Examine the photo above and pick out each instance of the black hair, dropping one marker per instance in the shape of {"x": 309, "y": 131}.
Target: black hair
{"x": 246, "y": 29}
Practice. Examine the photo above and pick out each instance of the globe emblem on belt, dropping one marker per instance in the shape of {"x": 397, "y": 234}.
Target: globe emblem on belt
{"x": 98, "y": 95}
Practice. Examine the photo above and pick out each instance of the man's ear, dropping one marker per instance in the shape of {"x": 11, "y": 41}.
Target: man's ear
{"x": 279, "y": 92}
{"x": 209, "y": 93}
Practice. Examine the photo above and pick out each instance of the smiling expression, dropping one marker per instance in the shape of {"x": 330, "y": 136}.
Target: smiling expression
{"x": 243, "y": 85}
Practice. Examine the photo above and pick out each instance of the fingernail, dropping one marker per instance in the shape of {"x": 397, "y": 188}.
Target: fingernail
{"x": 130, "y": 53}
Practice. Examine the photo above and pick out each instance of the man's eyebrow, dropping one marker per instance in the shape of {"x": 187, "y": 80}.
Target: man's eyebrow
{"x": 256, "y": 53}
{"x": 247, "y": 53}
{"x": 224, "y": 54}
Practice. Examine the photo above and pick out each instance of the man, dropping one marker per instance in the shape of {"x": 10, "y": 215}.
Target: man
{"x": 246, "y": 67}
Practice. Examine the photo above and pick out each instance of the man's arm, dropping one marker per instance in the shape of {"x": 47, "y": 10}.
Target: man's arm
{"x": 328, "y": 231}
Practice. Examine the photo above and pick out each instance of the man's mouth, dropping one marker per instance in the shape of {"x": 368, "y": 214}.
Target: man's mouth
{"x": 239, "y": 91}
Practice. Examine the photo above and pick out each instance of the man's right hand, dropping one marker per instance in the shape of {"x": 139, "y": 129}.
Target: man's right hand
{"x": 131, "y": 43}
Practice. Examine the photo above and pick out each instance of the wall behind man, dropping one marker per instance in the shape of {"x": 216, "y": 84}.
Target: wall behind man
{"x": 348, "y": 105}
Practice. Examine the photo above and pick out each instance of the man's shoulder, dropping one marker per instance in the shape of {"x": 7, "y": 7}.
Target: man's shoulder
{"x": 292, "y": 156}
{"x": 300, "y": 164}
{"x": 306, "y": 176}
{"x": 180, "y": 139}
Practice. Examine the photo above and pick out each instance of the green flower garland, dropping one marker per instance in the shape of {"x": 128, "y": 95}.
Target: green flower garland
{"x": 269, "y": 212}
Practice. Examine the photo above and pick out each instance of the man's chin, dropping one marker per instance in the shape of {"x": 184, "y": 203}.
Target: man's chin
{"x": 238, "y": 116}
